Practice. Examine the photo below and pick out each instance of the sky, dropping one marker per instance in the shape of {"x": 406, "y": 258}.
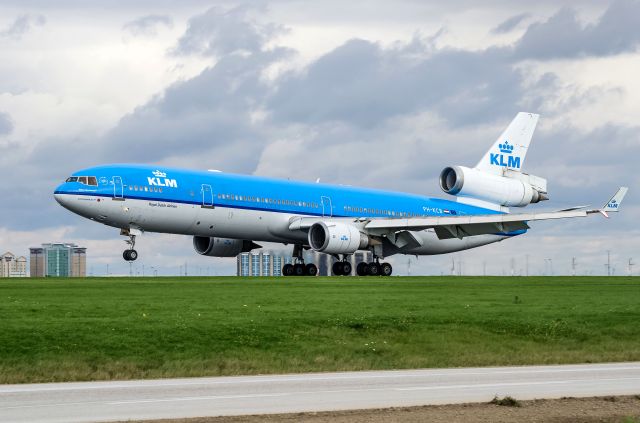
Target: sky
{"x": 376, "y": 94}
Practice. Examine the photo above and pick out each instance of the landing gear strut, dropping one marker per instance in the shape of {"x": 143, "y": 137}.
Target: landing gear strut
{"x": 299, "y": 268}
{"x": 130, "y": 254}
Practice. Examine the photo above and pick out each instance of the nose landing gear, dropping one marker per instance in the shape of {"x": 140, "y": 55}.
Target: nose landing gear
{"x": 130, "y": 254}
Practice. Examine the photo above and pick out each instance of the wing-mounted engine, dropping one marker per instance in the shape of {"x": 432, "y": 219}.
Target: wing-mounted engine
{"x": 222, "y": 247}
{"x": 337, "y": 238}
{"x": 511, "y": 189}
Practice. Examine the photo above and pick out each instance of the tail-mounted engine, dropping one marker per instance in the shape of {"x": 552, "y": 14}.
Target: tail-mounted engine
{"x": 512, "y": 189}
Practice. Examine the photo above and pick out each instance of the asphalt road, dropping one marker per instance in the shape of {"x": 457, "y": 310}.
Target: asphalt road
{"x": 173, "y": 398}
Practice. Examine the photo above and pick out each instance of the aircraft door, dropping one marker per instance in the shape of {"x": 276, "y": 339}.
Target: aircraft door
{"x": 327, "y": 208}
{"x": 118, "y": 188}
{"x": 207, "y": 197}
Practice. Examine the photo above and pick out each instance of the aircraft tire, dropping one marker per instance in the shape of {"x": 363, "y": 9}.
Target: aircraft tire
{"x": 386, "y": 269}
{"x": 299, "y": 269}
{"x": 287, "y": 269}
{"x": 311, "y": 270}
{"x": 125, "y": 255}
{"x": 133, "y": 255}
{"x": 346, "y": 268}
{"x": 373, "y": 269}
{"x": 361, "y": 269}
{"x": 337, "y": 268}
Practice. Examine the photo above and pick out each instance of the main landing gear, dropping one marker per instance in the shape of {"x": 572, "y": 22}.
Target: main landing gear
{"x": 342, "y": 268}
{"x": 374, "y": 268}
{"x": 130, "y": 254}
{"x": 299, "y": 268}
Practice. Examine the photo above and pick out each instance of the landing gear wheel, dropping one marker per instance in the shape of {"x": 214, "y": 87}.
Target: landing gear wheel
{"x": 361, "y": 269}
{"x": 311, "y": 269}
{"x": 130, "y": 255}
{"x": 337, "y": 268}
{"x": 386, "y": 269}
{"x": 299, "y": 269}
{"x": 346, "y": 268}
{"x": 287, "y": 270}
{"x": 133, "y": 255}
{"x": 373, "y": 269}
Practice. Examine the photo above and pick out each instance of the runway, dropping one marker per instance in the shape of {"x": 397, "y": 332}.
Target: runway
{"x": 195, "y": 397}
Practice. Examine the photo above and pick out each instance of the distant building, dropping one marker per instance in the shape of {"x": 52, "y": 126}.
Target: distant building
{"x": 12, "y": 266}
{"x": 58, "y": 260}
{"x": 259, "y": 264}
{"x": 36, "y": 262}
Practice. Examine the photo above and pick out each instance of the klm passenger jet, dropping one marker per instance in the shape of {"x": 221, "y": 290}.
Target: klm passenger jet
{"x": 226, "y": 213}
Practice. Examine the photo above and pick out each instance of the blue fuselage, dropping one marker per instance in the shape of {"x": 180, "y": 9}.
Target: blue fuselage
{"x": 218, "y": 189}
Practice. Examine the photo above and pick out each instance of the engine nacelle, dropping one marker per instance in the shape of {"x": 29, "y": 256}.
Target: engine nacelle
{"x": 222, "y": 247}
{"x": 506, "y": 191}
{"x": 336, "y": 238}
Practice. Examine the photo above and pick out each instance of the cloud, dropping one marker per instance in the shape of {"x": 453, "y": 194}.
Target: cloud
{"x": 6, "y": 124}
{"x": 212, "y": 114}
{"x": 564, "y": 36}
{"x": 219, "y": 32}
{"x": 511, "y": 23}
{"x": 147, "y": 25}
{"x": 22, "y": 25}
{"x": 363, "y": 83}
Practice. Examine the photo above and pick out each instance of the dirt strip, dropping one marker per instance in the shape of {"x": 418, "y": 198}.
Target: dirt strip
{"x": 622, "y": 409}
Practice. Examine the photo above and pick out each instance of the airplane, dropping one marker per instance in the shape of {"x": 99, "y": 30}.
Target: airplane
{"x": 228, "y": 213}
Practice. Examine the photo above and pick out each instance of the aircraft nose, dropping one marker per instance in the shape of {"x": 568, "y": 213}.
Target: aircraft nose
{"x": 60, "y": 198}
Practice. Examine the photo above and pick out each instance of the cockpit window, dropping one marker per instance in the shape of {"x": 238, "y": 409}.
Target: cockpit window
{"x": 86, "y": 180}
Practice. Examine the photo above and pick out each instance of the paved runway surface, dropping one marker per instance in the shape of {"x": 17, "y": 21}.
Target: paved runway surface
{"x": 170, "y": 398}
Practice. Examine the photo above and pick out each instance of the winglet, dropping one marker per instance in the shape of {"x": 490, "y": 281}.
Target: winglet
{"x": 613, "y": 205}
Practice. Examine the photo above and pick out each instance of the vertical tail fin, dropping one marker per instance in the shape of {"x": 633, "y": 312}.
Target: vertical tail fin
{"x": 511, "y": 147}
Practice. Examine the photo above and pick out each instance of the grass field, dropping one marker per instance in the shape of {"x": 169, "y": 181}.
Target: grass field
{"x": 86, "y": 329}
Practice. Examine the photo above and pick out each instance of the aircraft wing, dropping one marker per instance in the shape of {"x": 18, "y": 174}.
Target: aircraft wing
{"x": 462, "y": 226}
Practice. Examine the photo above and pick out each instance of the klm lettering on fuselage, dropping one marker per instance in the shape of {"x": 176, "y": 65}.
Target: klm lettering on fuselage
{"x": 160, "y": 180}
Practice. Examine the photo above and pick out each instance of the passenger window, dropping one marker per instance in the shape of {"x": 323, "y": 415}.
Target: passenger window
{"x": 135, "y": 188}
{"x": 146, "y": 188}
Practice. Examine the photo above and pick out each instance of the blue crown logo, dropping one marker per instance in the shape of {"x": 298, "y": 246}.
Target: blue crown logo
{"x": 506, "y": 147}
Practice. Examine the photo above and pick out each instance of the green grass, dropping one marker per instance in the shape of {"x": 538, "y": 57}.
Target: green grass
{"x": 86, "y": 329}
